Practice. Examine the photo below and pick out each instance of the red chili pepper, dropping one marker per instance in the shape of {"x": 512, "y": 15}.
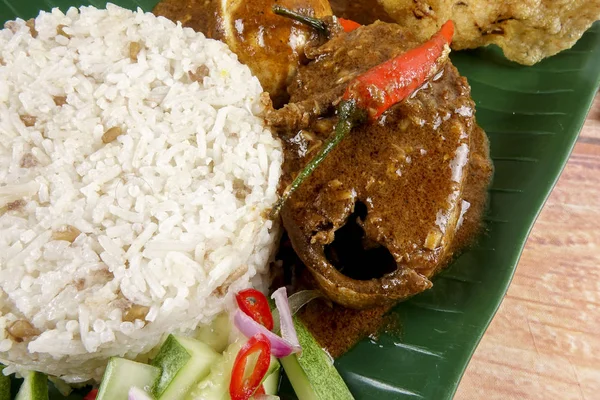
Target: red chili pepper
{"x": 348, "y": 25}
{"x": 393, "y": 81}
{"x": 256, "y": 306}
{"x": 375, "y": 91}
{"x": 241, "y": 388}
{"x": 260, "y": 390}
{"x": 91, "y": 395}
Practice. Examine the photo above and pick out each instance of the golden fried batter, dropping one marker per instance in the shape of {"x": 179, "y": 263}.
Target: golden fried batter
{"x": 527, "y": 30}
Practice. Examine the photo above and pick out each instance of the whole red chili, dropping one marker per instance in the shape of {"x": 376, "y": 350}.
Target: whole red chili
{"x": 240, "y": 387}
{"x": 393, "y": 81}
{"x": 256, "y": 306}
{"x": 386, "y": 84}
{"x": 375, "y": 91}
{"x": 348, "y": 25}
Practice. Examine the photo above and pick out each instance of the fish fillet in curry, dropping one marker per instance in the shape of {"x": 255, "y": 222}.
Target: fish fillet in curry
{"x": 378, "y": 218}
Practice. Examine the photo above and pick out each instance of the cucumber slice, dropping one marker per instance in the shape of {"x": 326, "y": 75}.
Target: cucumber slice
{"x": 34, "y": 387}
{"x": 63, "y": 388}
{"x": 298, "y": 378}
{"x": 216, "y": 334}
{"x": 122, "y": 374}
{"x": 139, "y": 394}
{"x": 183, "y": 362}
{"x": 4, "y": 385}
{"x": 312, "y": 374}
{"x": 271, "y": 384}
{"x": 216, "y": 384}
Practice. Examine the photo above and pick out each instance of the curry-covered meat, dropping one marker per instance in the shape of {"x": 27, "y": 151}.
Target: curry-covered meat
{"x": 379, "y": 216}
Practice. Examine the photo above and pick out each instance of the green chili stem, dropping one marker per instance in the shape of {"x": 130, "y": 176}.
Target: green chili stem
{"x": 349, "y": 115}
{"x": 314, "y": 23}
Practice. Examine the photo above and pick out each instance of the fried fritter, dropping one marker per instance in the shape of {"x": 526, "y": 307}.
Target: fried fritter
{"x": 526, "y": 30}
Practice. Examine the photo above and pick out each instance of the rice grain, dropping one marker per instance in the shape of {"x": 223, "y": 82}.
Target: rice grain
{"x": 134, "y": 184}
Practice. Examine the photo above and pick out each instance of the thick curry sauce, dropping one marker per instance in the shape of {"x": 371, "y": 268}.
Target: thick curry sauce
{"x": 396, "y": 200}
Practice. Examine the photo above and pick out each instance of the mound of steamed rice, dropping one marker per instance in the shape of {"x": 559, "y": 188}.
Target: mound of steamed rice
{"x": 135, "y": 177}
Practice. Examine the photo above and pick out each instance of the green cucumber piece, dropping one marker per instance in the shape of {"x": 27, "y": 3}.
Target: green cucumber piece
{"x": 121, "y": 375}
{"x": 216, "y": 385}
{"x": 63, "y": 388}
{"x": 183, "y": 362}
{"x": 216, "y": 334}
{"x": 312, "y": 373}
{"x": 34, "y": 387}
{"x": 298, "y": 378}
{"x": 4, "y": 385}
{"x": 271, "y": 383}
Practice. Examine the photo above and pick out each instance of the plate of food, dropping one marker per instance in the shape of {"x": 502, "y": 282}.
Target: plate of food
{"x": 272, "y": 199}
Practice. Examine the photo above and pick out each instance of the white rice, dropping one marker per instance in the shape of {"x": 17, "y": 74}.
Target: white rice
{"x": 171, "y": 213}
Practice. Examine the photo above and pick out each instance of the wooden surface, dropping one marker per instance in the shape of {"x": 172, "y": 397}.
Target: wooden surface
{"x": 544, "y": 343}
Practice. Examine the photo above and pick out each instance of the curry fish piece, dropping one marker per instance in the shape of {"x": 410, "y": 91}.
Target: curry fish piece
{"x": 272, "y": 46}
{"x": 378, "y": 217}
{"x": 526, "y": 30}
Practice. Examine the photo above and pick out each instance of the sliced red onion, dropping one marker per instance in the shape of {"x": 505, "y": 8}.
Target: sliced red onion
{"x": 286, "y": 322}
{"x": 296, "y": 301}
{"x": 279, "y": 347}
{"x": 138, "y": 394}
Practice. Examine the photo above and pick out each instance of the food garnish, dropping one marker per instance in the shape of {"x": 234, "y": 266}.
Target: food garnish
{"x": 34, "y": 387}
{"x": 348, "y": 25}
{"x": 255, "y": 305}
{"x": 241, "y": 387}
{"x": 288, "y": 332}
{"x": 389, "y": 83}
{"x": 121, "y": 375}
{"x": 312, "y": 373}
{"x": 296, "y": 302}
{"x": 249, "y": 327}
{"x": 183, "y": 361}
{"x": 91, "y": 395}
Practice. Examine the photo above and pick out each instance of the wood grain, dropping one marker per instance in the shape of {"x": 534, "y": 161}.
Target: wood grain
{"x": 544, "y": 343}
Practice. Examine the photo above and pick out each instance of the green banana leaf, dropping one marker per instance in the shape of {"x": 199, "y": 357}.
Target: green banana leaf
{"x": 532, "y": 116}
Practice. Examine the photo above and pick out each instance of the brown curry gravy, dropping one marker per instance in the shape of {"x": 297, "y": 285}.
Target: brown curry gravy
{"x": 338, "y": 328}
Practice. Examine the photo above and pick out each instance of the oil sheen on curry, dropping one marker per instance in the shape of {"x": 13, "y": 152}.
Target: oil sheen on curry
{"x": 393, "y": 202}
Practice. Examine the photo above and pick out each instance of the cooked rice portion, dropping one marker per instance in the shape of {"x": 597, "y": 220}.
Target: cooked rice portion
{"x": 135, "y": 176}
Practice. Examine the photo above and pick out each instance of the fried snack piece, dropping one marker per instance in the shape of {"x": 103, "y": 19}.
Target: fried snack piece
{"x": 526, "y": 30}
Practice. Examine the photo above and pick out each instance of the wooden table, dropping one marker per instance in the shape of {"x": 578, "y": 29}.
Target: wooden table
{"x": 544, "y": 343}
